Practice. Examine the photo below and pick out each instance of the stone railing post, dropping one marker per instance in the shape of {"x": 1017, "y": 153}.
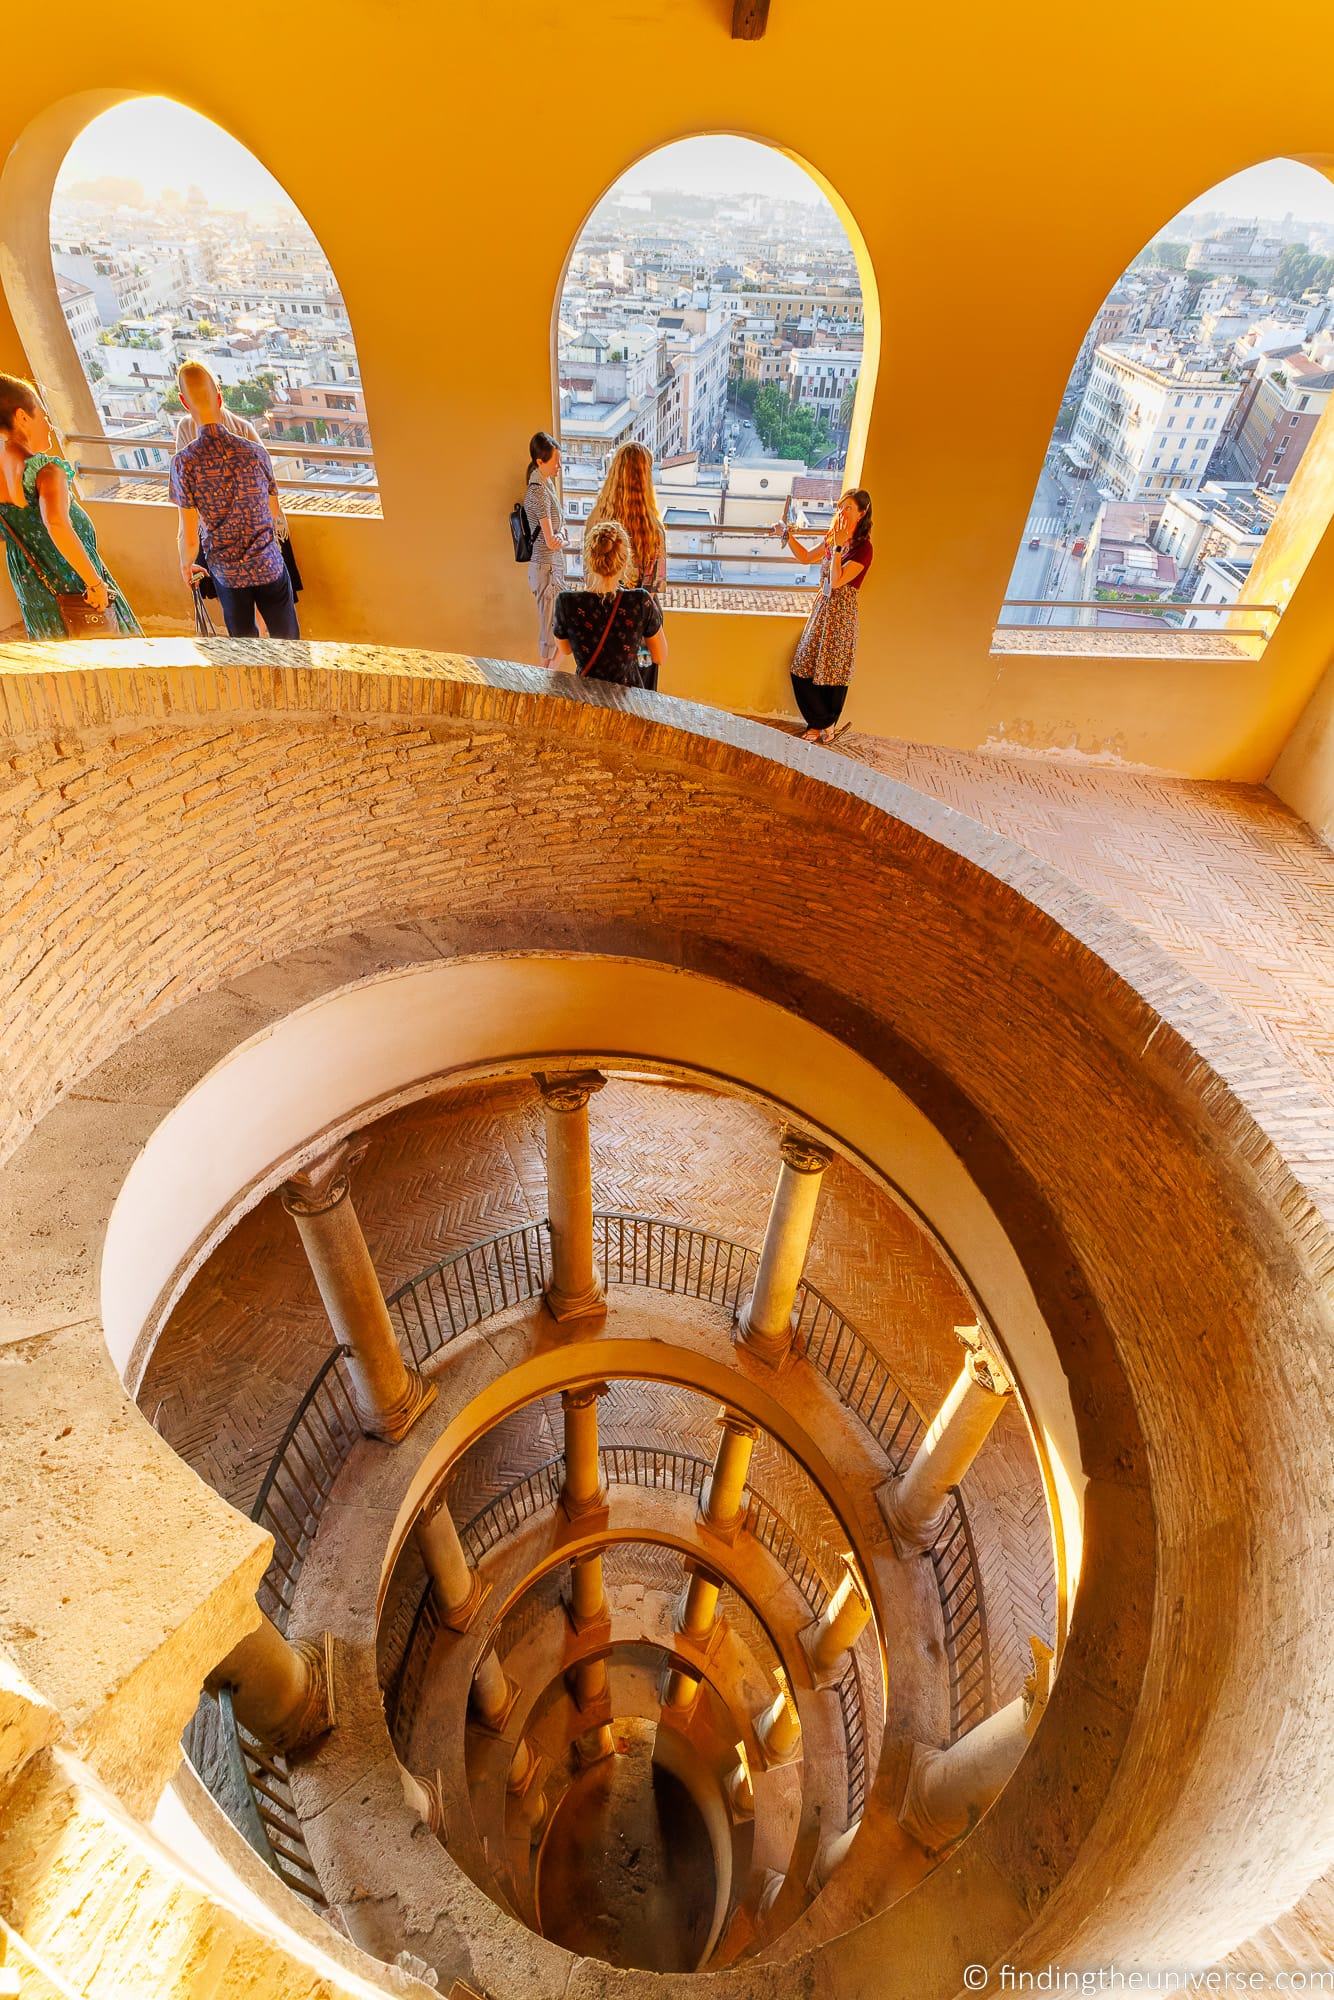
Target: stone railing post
{"x": 281, "y": 1691}
{"x": 720, "y": 1502}
{"x": 584, "y": 1490}
{"x": 459, "y": 1590}
{"x": 836, "y": 1631}
{"x": 947, "y": 1790}
{"x": 767, "y": 1318}
{"x": 388, "y": 1395}
{"x": 916, "y": 1505}
{"x": 575, "y": 1290}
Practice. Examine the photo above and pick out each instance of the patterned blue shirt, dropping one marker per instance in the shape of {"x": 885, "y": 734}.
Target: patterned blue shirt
{"x": 228, "y": 480}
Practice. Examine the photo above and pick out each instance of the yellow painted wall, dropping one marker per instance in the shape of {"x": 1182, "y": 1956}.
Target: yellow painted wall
{"x": 1003, "y": 169}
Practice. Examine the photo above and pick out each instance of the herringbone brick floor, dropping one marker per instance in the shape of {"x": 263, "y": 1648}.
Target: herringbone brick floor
{"x": 248, "y": 1334}
{"x": 1223, "y": 877}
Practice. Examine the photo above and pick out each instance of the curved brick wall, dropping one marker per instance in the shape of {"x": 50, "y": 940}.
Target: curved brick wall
{"x": 1156, "y": 1171}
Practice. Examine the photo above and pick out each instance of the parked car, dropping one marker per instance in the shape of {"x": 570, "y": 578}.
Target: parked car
{"x": 1035, "y": 541}
{"x": 1078, "y": 548}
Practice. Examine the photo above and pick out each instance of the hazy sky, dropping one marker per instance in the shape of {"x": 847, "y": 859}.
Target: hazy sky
{"x": 153, "y": 140}
{"x": 721, "y": 166}
{"x": 162, "y": 144}
{"x": 1276, "y": 189}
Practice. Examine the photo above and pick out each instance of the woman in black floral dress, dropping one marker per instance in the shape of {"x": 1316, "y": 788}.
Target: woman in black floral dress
{"x": 604, "y": 625}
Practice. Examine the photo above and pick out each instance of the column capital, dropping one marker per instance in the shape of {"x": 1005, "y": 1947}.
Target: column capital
{"x": 733, "y": 1420}
{"x": 580, "y": 1398}
{"x": 696, "y": 1566}
{"x": 984, "y": 1364}
{"x": 568, "y": 1090}
{"x": 803, "y": 1154}
{"x": 324, "y": 1181}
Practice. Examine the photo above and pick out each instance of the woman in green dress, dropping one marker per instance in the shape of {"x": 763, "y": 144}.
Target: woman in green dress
{"x": 50, "y": 543}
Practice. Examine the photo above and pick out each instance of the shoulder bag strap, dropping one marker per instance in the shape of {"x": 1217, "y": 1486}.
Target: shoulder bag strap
{"x": 32, "y": 561}
{"x": 591, "y": 661}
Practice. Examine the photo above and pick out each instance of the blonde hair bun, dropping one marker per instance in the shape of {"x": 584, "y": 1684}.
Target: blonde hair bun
{"x": 607, "y": 548}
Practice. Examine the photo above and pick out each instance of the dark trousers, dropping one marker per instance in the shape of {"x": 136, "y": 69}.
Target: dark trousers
{"x": 820, "y": 706}
{"x": 273, "y": 601}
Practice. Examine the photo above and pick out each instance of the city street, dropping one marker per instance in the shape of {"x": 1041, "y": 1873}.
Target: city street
{"x": 1063, "y": 510}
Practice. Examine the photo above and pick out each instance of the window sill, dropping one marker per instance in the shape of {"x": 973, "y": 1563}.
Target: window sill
{"x": 1107, "y": 643}
{"x": 153, "y": 493}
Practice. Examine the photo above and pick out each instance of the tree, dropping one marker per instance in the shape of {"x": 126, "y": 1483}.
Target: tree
{"x": 252, "y": 398}
{"x": 1301, "y": 270}
{"x": 747, "y": 393}
{"x": 171, "y": 400}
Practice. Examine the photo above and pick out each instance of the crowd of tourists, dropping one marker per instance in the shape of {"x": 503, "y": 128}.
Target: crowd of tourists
{"x": 233, "y": 545}
{"x": 611, "y": 627}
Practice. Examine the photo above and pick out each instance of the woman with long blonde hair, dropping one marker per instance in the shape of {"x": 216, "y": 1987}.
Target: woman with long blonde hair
{"x": 627, "y": 496}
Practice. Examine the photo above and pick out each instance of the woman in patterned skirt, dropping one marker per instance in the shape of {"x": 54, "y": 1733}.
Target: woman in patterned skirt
{"x": 827, "y": 649}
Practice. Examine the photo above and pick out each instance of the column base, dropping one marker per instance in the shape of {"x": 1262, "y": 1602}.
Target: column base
{"x": 579, "y": 1510}
{"x": 602, "y": 1616}
{"x": 772, "y": 1349}
{"x": 391, "y": 1426}
{"x": 774, "y": 1759}
{"x": 680, "y": 1711}
{"x": 722, "y": 1531}
{"x": 909, "y": 1538}
{"x": 464, "y": 1616}
{"x": 317, "y": 1712}
{"x": 914, "y": 1816}
{"x": 564, "y": 1305}
{"x": 494, "y": 1725}
{"x": 595, "y": 1746}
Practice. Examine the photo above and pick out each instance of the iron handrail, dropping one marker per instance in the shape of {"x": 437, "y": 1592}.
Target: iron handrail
{"x": 353, "y": 452}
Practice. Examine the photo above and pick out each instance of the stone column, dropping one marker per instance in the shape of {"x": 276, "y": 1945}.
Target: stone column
{"x": 583, "y": 1490}
{"x": 575, "y": 1290}
{"x": 739, "y": 1788}
{"x": 720, "y": 1501}
{"x": 766, "y": 1319}
{"x": 700, "y": 1610}
{"x": 459, "y": 1590}
{"x": 779, "y": 1726}
{"x": 522, "y": 1766}
{"x": 493, "y": 1693}
{"x": 681, "y": 1692}
{"x": 426, "y": 1798}
{"x": 590, "y": 1683}
{"x": 588, "y": 1597}
{"x": 833, "y": 1852}
{"x": 595, "y": 1745}
{"x": 948, "y": 1790}
{"x": 282, "y": 1692}
{"x": 388, "y": 1395}
{"x": 840, "y": 1624}
{"x": 916, "y": 1505}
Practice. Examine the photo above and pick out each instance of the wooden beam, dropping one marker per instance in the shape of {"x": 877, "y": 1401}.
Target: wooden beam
{"x": 750, "y": 18}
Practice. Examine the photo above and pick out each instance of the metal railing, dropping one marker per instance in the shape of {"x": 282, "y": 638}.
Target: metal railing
{"x": 648, "y": 1466}
{"x": 1101, "y": 612}
{"x": 513, "y": 1268}
{"x": 471, "y": 1285}
{"x": 967, "y": 1648}
{"x": 313, "y": 1451}
{"x": 672, "y": 1257}
{"x": 252, "y": 1784}
{"x": 277, "y": 447}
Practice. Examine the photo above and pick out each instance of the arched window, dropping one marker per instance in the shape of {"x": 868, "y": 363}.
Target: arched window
{"x": 169, "y": 242}
{"x": 719, "y": 307}
{"x": 1160, "y": 513}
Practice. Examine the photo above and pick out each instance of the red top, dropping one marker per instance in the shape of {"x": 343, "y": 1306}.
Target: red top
{"x": 859, "y": 552}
